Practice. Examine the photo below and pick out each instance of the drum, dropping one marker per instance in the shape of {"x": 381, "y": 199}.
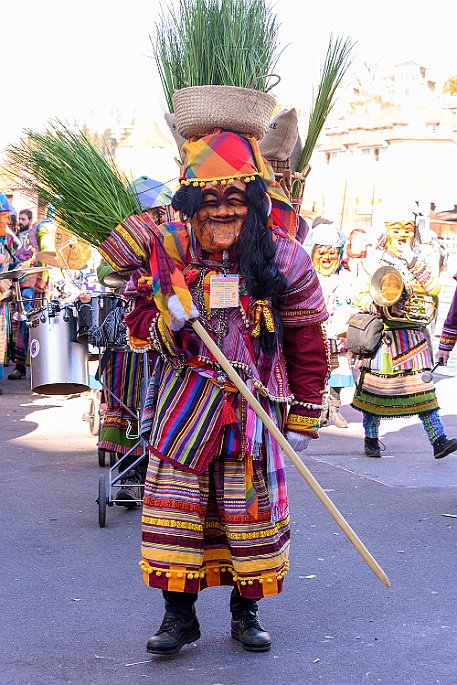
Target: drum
{"x": 59, "y": 365}
{"x": 92, "y": 310}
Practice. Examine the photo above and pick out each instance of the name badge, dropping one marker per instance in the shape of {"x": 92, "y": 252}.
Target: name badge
{"x": 224, "y": 291}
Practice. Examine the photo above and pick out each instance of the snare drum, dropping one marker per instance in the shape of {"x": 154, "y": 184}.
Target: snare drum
{"x": 59, "y": 366}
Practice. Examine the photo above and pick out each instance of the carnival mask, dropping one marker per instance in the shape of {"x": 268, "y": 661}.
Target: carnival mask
{"x": 5, "y": 218}
{"x": 326, "y": 259}
{"x": 400, "y": 236}
{"x": 221, "y": 216}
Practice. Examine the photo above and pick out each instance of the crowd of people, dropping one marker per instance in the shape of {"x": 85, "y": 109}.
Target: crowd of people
{"x": 215, "y": 508}
{"x": 390, "y": 381}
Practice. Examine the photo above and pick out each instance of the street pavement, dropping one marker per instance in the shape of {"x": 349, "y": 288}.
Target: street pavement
{"x": 74, "y": 608}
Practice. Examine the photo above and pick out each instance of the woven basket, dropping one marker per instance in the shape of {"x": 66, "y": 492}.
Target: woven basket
{"x": 200, "y": 109}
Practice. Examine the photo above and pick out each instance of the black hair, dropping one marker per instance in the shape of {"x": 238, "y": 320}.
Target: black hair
{"x": 255, "y": 250}
{"x": 28, "y": 213}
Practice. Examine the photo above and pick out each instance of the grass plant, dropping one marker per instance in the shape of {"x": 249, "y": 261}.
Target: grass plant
{"x": 337, "y": 61}
{"x": 65, "y": 170}
{"x": 216, "y": 42}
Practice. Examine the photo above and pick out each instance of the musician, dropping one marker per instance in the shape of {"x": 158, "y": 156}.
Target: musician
{"x": 5, "y": 284}
{"x": 24, "y": 254}
{"x": 391, "y": 383}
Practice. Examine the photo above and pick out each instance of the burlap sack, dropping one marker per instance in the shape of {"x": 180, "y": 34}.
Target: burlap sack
{"x": 281, "y": 136}
{"x": 171, "y": 121}
{"x": 296, "y": 154}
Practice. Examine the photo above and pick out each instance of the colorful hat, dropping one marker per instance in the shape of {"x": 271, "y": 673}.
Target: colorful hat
{"x": 223, "y": 157}
{"x": 151, "y": 193}
{"x": 328, "y": 235}
{"x": 5, "y": 206}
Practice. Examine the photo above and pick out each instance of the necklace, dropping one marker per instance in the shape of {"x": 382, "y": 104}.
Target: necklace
{"x": 216, "y": 321}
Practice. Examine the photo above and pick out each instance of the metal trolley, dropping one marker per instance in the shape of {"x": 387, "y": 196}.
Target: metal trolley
{"x": 109, "y": 484}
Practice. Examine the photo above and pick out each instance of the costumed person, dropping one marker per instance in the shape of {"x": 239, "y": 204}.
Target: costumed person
{"x": 5, "y": 284}
{"x": 448, "y": 337}
{"x": 24, "y": 255}
{"x": 356, "y": 252}
{"x": 391, "y": 383}
{"x": 215, "y": 506}
{"x": 123, "y": 373}
{"x": 336, "y": 283}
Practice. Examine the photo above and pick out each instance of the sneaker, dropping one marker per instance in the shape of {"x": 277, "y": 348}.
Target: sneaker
{"x": 175, "y": 632}
{"x": 130, "y": 493}
{"x": 442, "y": 447}
{"x": 372, "y": 447}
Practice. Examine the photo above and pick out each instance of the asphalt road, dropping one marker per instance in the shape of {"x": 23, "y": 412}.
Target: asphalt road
{"x": 74, "y": 608}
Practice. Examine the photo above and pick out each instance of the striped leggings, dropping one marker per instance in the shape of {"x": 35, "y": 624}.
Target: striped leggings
{"x": 431, "y": 421}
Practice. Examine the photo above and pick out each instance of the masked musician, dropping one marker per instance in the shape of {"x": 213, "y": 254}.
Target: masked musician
{"x": 335, "y": 280}
{"x": 5, "y": 284}
{"x": 215, "y": 504}
{"x": 392, "y": 383}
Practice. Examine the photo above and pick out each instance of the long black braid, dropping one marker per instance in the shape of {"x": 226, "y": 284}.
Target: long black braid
{"x": 255, "y": 250}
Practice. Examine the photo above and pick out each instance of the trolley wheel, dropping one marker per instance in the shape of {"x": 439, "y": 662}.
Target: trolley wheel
{"x": 112, "y": 458}
{"x": 101, "y": 457}
{"x": 102, "y": 501}
{"x": 94, "y": 418}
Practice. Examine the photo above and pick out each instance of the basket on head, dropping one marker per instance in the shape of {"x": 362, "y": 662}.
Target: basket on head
{"x": 201, "y": 109}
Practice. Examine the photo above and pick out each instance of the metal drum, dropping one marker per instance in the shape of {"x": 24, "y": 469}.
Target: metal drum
{"x": 92, "y": 310}
{"x": 59, "y": 365}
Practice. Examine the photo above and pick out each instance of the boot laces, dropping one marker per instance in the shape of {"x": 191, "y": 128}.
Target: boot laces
{"x": 169, "y": 624}
{"x": 249, "y": 619}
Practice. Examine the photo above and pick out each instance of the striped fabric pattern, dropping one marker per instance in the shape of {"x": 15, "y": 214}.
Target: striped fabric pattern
{"x": 197, "y": 532}
{"x": 123, "y": 375}
{"x": 126, "y": 246}
{"x": 399, "y": 394}
{"x": 406, "y": 350}
{"x": 187, "y": 419}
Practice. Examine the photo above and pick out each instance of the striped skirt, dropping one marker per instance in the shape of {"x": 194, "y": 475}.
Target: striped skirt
{"x": 393, "y": 386}
{"x": 197, "y": 533}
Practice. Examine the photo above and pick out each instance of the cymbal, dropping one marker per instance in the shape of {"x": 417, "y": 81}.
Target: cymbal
{"x": 73, "y": 251}
{"x": 50, "y": 259}
{"x": 15, "y": 274}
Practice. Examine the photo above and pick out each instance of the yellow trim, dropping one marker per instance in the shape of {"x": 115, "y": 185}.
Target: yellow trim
{"x": 165, "y": 334}
{"x": 303, "y": 423}
{"x": 181, "y": 573}
{"x": 167, "y": 523}
{"x": 223, "y": 180}
{"x": 128, "y": 239}
{"x": 252, "y": 535}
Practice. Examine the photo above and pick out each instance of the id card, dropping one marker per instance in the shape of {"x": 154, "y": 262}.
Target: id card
{"x": 223, "y": 291}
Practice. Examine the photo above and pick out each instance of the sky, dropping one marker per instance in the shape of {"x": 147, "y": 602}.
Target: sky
{"x": 91, "y": 60}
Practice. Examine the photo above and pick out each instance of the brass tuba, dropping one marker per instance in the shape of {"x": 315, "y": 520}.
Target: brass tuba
{"x": 399, "y": 301}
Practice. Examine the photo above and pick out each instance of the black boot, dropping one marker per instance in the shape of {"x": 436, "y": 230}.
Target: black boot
{"x": 179, "y": 627}
{"x": 442, "y": 447}
{"x": 372, "y": 447}
{"x": 245, "y": 624}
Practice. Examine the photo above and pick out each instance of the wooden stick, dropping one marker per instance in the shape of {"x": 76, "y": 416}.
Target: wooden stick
{"x": 293, "y": 456}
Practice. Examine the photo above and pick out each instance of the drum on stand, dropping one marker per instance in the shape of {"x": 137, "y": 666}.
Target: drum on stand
{"x": 59, "y": 364}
